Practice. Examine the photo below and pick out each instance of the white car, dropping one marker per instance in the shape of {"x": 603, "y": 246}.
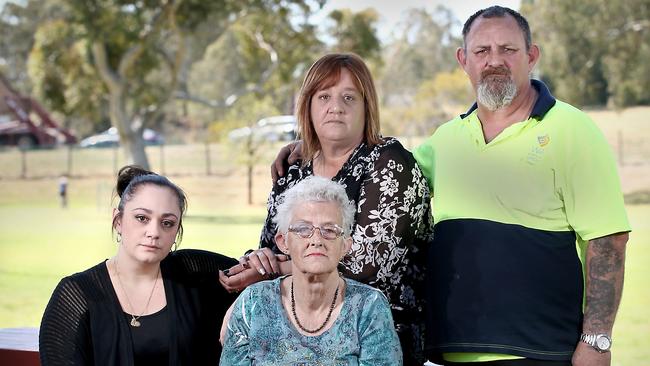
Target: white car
{"x": 110, "y": 138}
{"x": 271, "y": 129}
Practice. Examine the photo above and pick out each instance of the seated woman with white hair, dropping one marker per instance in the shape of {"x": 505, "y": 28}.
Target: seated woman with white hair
{"x": 314, "y": 314}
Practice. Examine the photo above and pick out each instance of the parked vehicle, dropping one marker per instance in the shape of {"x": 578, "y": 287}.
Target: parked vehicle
{"x": 272, "y": 129}
{"x": 25, "y": 123}
{"x": 111, "y": 138}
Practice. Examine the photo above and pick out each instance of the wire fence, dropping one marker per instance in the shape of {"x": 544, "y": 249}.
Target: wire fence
{"x": 207, "y": 159}
{"x": 173, "y": 160}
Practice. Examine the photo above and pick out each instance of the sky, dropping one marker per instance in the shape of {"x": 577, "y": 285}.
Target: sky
{"x": 392, "y": 11}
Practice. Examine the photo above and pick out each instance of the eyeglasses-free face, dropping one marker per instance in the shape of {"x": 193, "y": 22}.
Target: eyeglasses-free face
{"x": 327, "y": 232}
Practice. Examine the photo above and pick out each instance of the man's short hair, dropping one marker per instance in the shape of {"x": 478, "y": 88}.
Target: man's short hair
{"x": 499, "y": 12}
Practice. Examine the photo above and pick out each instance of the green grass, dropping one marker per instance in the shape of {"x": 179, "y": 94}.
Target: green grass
{"x": 632, "y": 328}
{"x": 40, "y": 243}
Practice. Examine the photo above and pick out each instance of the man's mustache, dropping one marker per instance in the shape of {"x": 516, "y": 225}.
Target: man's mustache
{"x": 500, "y": 71}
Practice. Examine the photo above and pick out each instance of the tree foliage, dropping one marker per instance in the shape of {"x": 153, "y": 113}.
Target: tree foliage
{"x": 425, "y": 47}
{"x": 356, "y": 32}
{"x": 18, "y": 23}
{"x": 260, "y": 55}
{"x": 79, "y": 95}
{"x": 423, "y": 50}
{"x": 594, "y": 52}
{"x": 138, "y": 51}
{"x": 437, "y": 100}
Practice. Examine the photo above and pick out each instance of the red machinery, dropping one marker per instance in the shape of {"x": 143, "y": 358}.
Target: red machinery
{"x": 25, "y": 123}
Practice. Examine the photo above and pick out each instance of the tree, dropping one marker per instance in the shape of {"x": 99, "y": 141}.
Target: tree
{"x": 250, "y": 72}
{"x": 260, "y": 54}
{"x": 356, "y": 32}
{"x": 138, "y": 51}
{"x": 424, "y": 49}
{"x": 80, "y": 96}
{"x": 594, "y": 52}
{"x": 437, "y": 100}
{"x": 250, "y": 151}
{"x": 18, "y": 23}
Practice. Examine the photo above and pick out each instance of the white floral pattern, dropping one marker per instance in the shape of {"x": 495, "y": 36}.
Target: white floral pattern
{"x": 393, "y": 226}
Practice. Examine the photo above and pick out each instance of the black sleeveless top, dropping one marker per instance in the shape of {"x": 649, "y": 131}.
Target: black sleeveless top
{"x": 151, "y": 338}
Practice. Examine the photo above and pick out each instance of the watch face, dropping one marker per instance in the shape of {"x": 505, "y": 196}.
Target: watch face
{"x": 603, "y": 343}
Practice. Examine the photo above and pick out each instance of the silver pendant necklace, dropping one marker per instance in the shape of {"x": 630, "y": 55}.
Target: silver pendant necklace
{"x": 135, "y": 319}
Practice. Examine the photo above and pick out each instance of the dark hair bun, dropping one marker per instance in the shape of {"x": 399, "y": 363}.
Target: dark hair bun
{"x": 126, "y": 175}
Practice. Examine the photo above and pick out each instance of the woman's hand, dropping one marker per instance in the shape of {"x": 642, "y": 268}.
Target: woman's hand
{"x": 238, "y": 277}
{"x": 265, "y": 261}
{"x": 241, "y": 275}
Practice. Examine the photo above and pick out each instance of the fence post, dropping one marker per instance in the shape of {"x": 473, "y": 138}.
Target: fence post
{"x": 115, "y": 148}
{"x": 23, "y": 163}
{"x": 162, "y": 158}
{"x": 69, "y": 161}
{"x": 207, "y": 159}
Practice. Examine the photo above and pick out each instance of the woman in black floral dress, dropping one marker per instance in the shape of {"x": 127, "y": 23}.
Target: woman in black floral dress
{"x": 339, "y": 124}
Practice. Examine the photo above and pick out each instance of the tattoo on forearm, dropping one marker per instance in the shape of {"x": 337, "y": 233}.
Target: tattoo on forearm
{"x": 605, "y": 267}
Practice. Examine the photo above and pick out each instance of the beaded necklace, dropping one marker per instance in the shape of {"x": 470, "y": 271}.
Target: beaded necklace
{"x": 329, "y": 314}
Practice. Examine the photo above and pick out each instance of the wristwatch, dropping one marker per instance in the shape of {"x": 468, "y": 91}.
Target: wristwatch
{"x": 601, "y": 342}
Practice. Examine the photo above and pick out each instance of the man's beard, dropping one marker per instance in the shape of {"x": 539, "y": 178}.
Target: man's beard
{"x": 496, "y": 89}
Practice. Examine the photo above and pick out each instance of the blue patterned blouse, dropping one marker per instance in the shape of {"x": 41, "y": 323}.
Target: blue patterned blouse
{"x": 260, "y": 333}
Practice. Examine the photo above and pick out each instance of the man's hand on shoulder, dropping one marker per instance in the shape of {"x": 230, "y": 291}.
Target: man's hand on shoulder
{"x": 288, "y": 155}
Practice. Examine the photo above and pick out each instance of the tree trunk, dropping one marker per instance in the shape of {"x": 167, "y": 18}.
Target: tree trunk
{"x": 130, "y": 138}
{"x": 250, "y": 165}
{"x": 249, "y": 175}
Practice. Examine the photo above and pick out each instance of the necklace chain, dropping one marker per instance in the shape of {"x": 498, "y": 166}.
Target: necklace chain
{"x": 134, "y": 318}
{"x": 329, "y": 314}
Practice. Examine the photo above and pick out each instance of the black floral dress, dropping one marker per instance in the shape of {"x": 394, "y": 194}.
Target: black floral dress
{"x": 393, "y": 227}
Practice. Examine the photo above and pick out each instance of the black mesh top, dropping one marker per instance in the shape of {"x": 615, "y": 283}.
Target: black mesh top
{"x": 84, "y": 324}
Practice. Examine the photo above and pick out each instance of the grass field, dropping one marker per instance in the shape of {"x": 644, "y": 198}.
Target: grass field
{"x": 40, "y": 242}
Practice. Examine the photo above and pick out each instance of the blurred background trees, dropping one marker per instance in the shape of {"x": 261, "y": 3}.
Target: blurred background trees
{"x": 196, "y": 69}
{"x": 594, "y": 52}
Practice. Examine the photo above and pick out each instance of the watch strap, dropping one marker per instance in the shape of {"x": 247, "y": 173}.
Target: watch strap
{"x": 591, "y": 339}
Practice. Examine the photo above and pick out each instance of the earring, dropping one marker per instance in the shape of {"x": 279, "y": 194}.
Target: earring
{"x": 119, "y": 237}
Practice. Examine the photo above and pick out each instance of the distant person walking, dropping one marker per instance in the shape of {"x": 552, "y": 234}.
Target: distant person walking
{"x": 63, "y": 190}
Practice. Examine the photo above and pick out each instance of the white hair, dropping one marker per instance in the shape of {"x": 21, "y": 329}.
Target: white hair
{"x": 314, "y": 189}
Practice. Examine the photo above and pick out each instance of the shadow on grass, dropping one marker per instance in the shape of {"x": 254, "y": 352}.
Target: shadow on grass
{"x": 227, "y": 220}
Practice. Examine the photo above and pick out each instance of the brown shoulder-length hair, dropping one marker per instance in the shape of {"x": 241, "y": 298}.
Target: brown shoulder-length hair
{"x": 323, "y": 74}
